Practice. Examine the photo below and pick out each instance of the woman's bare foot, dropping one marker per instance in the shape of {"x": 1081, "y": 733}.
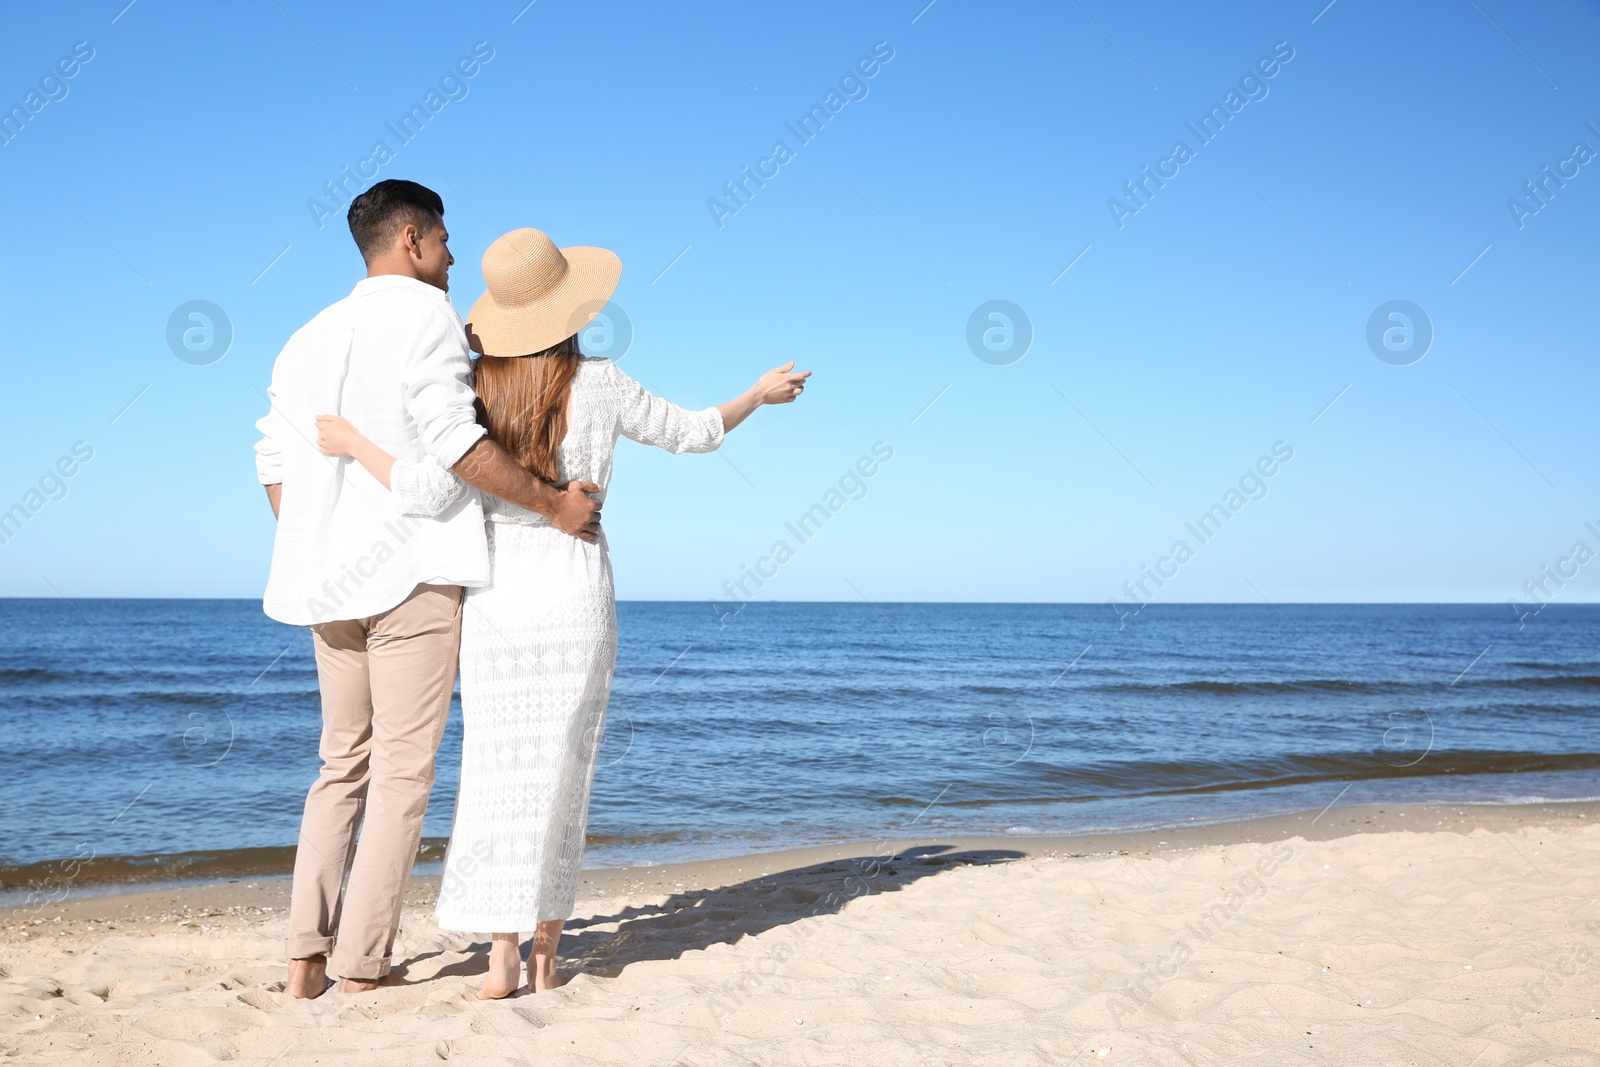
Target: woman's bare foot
{"x": 361, "y": 985}
{"x": 546, "y": 978}
{"x": 505, "y": 968}
{"x": 542, "y": 973}
{"x": 308, "y": 978}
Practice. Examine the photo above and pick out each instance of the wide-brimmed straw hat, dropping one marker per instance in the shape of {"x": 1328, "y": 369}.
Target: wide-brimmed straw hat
{"x": 538, "y": 294}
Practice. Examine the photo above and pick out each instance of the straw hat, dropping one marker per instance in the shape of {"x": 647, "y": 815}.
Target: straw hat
{"x": 539, "y": 294}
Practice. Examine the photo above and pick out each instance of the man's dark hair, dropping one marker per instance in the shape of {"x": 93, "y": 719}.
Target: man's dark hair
{"x": 384, "y": 210}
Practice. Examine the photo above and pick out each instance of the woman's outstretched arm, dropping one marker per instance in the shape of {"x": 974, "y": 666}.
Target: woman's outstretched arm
{"x": 780, "y": 385}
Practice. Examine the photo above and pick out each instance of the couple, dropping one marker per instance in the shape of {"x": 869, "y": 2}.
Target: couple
{"x": 430, "y": 510}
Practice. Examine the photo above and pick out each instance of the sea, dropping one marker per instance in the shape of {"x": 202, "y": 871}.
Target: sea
{"x": 148, "y": 739}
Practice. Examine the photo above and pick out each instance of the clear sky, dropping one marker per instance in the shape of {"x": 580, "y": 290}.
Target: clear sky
{"x": 1369, "y": 153}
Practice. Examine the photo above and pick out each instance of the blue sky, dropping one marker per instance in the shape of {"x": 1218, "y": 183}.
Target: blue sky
{"x": 976, "y": 164}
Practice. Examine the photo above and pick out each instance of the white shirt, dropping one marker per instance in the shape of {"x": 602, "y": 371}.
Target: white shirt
{"x": 392, "y": 358}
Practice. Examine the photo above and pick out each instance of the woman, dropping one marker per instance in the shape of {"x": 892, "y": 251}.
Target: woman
{"x": 539, "y": 643}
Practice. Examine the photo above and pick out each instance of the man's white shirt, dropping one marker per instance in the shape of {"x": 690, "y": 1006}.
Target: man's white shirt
{"x": 392, "y": 358}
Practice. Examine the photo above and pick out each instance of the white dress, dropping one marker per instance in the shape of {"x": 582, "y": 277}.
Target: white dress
{"x": 538, "y": 645}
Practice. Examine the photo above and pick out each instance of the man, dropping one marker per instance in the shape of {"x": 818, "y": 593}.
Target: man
{"x": 381, "y": 592}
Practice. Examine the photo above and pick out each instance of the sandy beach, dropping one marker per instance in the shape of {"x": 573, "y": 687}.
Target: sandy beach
{"x": 1395, "y": 935}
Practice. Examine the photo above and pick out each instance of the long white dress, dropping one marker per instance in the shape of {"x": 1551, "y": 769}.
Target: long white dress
{"x": 538, "y": 646}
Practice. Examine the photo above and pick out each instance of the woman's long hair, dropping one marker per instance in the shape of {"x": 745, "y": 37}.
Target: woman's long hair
{"x": 522, "y": 401}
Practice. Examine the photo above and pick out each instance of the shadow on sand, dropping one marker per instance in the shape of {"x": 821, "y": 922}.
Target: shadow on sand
{"x": 699, "y": 918}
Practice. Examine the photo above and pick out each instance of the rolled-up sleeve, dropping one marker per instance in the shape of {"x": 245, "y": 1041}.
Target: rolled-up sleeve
{"x": 437, "y": 384}
{"x": 423, "y": 487}
{"x": 269, "y": 450}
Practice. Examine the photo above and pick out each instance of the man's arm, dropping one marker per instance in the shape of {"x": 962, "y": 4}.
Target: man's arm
{"x": 269, "y": 452}
{"x": 570, "y": 509}
{"x": 437, "y": 385}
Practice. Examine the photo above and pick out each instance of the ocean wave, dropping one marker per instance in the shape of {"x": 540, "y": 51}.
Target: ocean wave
{"x": 1308, "y": 685}
{"x": 77, "y": 676}
{"x": 1159, "y": 778}
{"x": 1554, "y": 681}
{"x": 32, "y": 674}
{"x": 261, "y": 862}
{"x": 1304, "y": 686}
{"x": 1545, "y": 665}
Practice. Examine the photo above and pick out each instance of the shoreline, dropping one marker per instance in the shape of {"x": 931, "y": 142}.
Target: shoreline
{"x": 91, "y": 901}
{"x": 47, "y": 879}
{"x": 101, "y": 872}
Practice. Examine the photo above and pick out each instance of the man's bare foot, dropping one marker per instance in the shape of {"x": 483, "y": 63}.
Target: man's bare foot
{"x": 360, "y": 985}
{"x": 308, "y": 978}
{"x": 505, "y": 968}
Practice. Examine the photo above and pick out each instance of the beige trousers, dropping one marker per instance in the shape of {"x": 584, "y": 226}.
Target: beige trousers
{"x": 386, "y": 683}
